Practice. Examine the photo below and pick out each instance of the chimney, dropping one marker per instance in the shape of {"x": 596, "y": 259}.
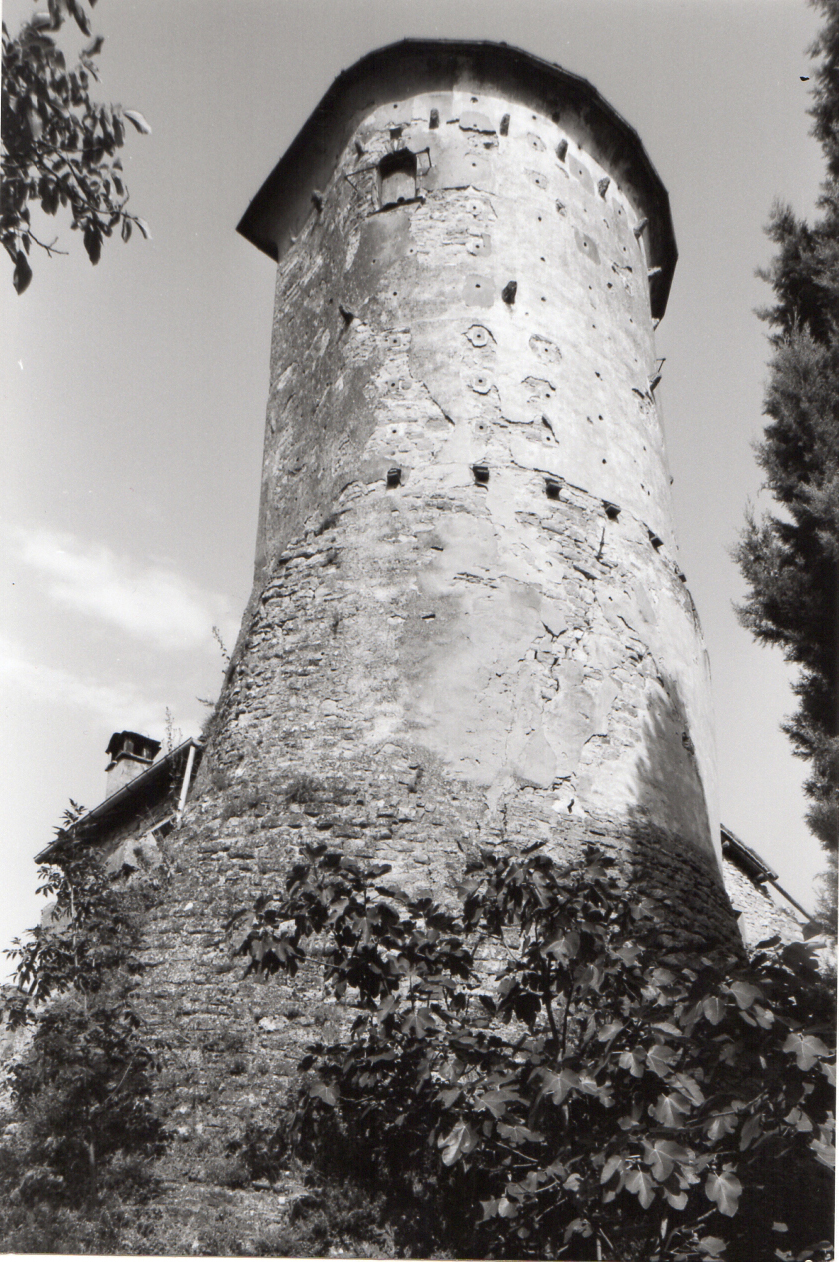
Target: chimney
{"x": 130, "y": 754}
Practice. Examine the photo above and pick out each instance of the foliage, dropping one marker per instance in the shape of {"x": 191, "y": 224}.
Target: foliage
{"x": 81, "y": 1089}
{"x": 90, "y": 931}
{"x": 334, "y": 1220}
{"x": 84, "y": 1092}
{"x": 59, "y": 146}
{"x": 262, "y": 1150}
{"x": 528, "y": 1075}
{"x": 825, "y": 109}
{"x": 790, "y": 560}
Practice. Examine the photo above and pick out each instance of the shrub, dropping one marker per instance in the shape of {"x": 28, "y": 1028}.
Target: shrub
{"x": 85, "y": 1118}
{"x": 531, "y": 1075}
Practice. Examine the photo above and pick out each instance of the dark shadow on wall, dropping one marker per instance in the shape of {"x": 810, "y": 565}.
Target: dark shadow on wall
{"x": 668, "y": 846}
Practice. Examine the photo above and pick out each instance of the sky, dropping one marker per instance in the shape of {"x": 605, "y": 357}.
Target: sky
{"x": 133, "y": 392}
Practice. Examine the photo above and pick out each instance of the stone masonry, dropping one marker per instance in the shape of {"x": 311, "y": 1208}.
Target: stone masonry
{"x": 468, "y": 625}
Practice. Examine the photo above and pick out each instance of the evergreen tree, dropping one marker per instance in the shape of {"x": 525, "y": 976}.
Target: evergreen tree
{"x": 791, "y": 560}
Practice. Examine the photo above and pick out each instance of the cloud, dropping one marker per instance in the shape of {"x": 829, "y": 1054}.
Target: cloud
{"x": 152, "y": 603}
{"x": 105, "y": 702}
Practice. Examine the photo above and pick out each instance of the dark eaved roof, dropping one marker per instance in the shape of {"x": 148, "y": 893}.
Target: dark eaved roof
{"x": 749, "y": 860}
{"x": 416, "y": 66}
{"x": 145, "y": 790}
{"x": 756, "y": 868}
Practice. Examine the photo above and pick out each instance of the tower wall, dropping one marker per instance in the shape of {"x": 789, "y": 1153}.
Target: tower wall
{"x": 434, "y": 657}
{"x": 525, "y": 646}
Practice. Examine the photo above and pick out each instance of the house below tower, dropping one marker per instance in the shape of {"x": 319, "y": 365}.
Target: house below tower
{"x": 145, "y": 795}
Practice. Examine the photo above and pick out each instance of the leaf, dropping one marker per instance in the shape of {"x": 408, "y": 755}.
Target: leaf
{"x": 751, "y": 1129}
{"x": 690, "y": 1087}
{"x": 724, "y": 1190}
{"x": 744, "y": 993}
{"x": 460, "y": 1141}
{"x": 803, "y": 1123}
{"x": 496, "y": 1101}
{"x": 609, "y": 1031}
{"x": 519, "y": 1134}
{"x": 143, "y": 226}
{"x": 80, "y": 16}
{"x": 808, "y": 1049}
{"x": 712, "y": 1246}
{"x": 639, "y": 1182}
{"x": 448, "y": 1097}
{"x": 566, "y": 947}
{"x": 22, "y": 274}
{"x": 660, "y": 1057}
{"x": 670, "y": 1110}
{"x": 633, "y": 1061}
{"x": 661, "y": 1155}
{"x": 610, "y": 1166}
{"x": 664, "y": 1027}
{"x": 136, "y": 118}
{"x": 92, "y": 243}
{"x": 722, "y": 1124}
{"x": 557, "y": 1086}
{"x": 322, "y": 1091}
{"x": 825, "y": 1153}
{"x": 677, "y": 1199}
{"x": 714, "y": 1009}
{"x": 420, "y": 1023}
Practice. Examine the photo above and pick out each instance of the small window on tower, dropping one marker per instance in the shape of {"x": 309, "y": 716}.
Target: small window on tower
{"x": 397, "y": 178}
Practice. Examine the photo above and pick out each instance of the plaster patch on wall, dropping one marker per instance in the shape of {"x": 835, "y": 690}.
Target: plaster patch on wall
{"x": 581, "y": 172}
{"x": 586, "y": 246}
{"x": 478, "y": 290}
{"x": 473, "y": 120}
{"x": 544, "y": 349}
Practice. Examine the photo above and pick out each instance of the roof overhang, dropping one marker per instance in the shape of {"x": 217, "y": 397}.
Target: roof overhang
{"x": 749, "y": 860}
{"x": 414, "y": 66}
{"x": 146, "y": 789}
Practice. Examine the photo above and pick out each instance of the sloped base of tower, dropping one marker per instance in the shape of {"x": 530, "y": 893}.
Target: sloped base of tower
{"x": 231, "y": 1045}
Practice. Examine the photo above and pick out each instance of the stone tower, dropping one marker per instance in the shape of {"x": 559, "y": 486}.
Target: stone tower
{"x": 468, "y": 617}
{"x": 468, "y": 626}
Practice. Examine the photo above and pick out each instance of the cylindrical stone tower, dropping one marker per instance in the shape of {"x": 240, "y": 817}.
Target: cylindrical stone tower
{"x": 469, "y": 624}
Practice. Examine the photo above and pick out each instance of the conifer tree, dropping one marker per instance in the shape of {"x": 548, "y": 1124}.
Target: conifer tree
{"x": 790, "y": 560}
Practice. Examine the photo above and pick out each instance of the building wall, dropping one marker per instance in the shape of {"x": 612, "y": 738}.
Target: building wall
{"x": 440, "y": 665}
{"x": 532, "y": 660}
{"x": 760, "y": 916}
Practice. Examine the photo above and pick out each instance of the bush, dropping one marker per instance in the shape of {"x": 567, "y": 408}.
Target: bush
{"x": 85, "y": 1121}
{"x": 531, "y": 1075}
